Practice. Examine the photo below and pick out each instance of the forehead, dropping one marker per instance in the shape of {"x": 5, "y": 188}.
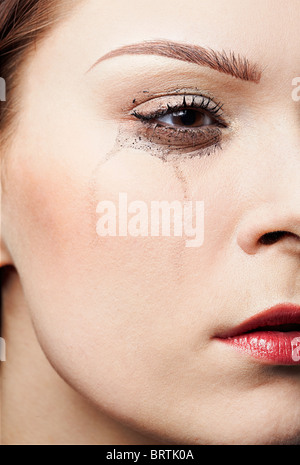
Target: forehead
{"x": 260, "y": 29}
{"x": 263, "y": 31}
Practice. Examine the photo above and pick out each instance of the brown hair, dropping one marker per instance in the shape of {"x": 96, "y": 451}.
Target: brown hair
{"x": 22, "y": 23}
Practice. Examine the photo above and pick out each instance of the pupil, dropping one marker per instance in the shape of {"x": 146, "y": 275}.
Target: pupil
{"x": 187, "y": 117}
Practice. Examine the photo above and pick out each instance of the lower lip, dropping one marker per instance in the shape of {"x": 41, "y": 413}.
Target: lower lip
{"x": 272, "y": 347}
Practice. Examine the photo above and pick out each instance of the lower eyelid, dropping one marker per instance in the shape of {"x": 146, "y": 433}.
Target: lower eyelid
{"x": 180, "y": 137}
{"x": 159, "y": 143}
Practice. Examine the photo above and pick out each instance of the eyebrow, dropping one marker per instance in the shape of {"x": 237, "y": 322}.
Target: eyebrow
{"x": 228, "y": 63}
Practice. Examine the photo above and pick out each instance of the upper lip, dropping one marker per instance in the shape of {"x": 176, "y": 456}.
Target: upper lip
{"x": 268, "y": 320}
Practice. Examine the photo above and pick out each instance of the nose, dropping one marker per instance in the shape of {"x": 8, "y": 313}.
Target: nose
{"x": 269, "y": 226}
{"x": 271, "y": 217}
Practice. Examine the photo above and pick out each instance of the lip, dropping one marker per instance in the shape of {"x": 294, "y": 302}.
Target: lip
{"x": 259, "y": 337}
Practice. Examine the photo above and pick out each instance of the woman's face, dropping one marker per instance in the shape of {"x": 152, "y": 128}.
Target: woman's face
{"x": 131, "y": 321}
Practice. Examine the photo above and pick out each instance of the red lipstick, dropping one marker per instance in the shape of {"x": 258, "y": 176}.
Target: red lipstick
{"x": 273, "y": 335}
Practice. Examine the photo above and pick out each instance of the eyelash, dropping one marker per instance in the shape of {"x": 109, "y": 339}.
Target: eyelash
{"x": 193, "y": 140}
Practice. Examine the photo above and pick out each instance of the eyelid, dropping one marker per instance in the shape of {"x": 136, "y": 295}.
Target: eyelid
{"x": 160, "y": 106}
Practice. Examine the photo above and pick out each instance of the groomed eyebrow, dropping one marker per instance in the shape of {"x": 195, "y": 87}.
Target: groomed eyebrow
{"x": 228, "y": 63}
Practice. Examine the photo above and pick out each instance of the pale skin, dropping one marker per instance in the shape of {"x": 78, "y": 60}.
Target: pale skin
{"x": 111, "y": 340}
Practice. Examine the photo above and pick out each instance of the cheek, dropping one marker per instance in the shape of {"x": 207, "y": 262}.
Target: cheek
{"x": 56, "y": 212}
{"x": 66, "y": 267}
{"x": 110, "y": 312}
{"x": 74, "y": 280}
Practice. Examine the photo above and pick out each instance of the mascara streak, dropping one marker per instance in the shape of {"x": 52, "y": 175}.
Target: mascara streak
{"x": 156, "y": 140}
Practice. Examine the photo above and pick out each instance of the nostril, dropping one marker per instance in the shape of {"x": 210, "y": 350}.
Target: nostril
{"x": 273, "y": 237}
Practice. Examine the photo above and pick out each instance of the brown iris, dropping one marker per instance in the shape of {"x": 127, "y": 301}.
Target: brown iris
{"x": 186, "y": 117}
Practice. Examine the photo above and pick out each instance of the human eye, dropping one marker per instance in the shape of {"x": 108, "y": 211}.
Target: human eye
{"x": 188, "y": 123}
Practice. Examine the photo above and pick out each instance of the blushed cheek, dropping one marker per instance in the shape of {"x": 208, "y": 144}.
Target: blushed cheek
{"x": 54, "y": 218}
{"x": 47, "y": 210}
